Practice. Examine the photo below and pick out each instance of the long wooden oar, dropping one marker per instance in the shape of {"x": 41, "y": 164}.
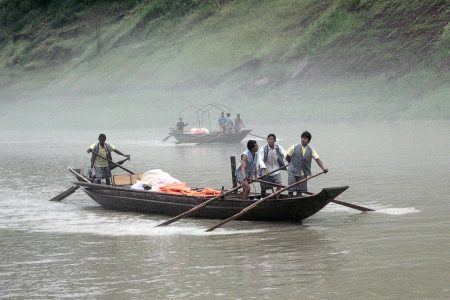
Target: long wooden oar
{"x": 167, "y": 137}
{"x": 269, "y": 183}
{"x": 72, "y": 189}
{"x": 115, "y": 164}
{"x": 258, "y": 136}
{"x": 78, "y": 175}
{"x": 351, "y": 205}
{"x": 65, "y": 194}
{"x": 172, "y": 131}
{"x": 250, "y": 207}
{"x": 203, "y": 204}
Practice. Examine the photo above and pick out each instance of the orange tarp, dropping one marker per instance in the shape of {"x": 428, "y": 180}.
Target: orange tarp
{"x": 182, "y": 189}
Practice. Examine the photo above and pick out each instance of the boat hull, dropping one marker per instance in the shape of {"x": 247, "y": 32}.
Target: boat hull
{"x": 210, "y": 137}
{"x": 284, "y": 209}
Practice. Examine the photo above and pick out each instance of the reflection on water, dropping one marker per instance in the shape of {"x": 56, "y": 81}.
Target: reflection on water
{"x": 77, "y": 248}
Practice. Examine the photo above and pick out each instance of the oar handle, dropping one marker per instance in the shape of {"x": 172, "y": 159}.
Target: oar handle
{"x": 197, "y": 207}
{"x": 258, "y": 136}
{"x": 269, "y": 183}
{"x": 250, "y": 207}
{"x": 203, "y": 204}
{"x": 117, "y": 165}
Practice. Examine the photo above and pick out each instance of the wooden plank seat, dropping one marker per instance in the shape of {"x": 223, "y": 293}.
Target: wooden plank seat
{"x": 126, "y": 179}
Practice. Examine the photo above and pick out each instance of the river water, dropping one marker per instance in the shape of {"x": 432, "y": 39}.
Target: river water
{"x": 76, "y": 249}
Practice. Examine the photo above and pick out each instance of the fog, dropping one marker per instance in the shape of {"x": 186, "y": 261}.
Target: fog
{"x": 140, "y": 103}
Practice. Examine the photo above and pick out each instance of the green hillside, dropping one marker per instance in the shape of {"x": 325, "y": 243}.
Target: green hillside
{"x": 337, "y": 59}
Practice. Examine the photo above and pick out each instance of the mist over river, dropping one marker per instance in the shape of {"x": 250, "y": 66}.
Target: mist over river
{"x": 76, "y": 249}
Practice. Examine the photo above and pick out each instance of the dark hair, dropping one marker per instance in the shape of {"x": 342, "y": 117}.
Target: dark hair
{"x": 102, "y": 135}
{"x": 271, "y": 135}
{"x": 307, "y": 135}
{"x": 251, "y": 144}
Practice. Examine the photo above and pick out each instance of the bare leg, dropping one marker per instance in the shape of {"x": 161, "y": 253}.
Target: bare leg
{"x": 263, "y": 193}
{"x": 276, "y": 190}
{"x": 246, "y": 190}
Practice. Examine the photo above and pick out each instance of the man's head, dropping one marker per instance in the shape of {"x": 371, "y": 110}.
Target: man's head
{"x": 252, "y": 145}
{"x": 228, "y": 114}
{"x": 305, "y": 138}
{"x": 102, "y": 138}
{"x": 181, "y": 119}
{"x": 271, "y": 139}
{"x": 222, "y": 114}
{"x": 238, "y": 116}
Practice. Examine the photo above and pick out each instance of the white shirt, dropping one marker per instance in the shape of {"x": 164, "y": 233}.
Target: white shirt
{"x": 272, "y": 159}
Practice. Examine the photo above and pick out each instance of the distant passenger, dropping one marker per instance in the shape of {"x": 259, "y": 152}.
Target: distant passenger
{"x": 229, "y": 125}
{"x": 271, "y": 158}
{"x": 238, "y": 123}
{"x": 247, "y": 168}
{"x": 102, "y": 166}
{"x": 181, "y": 125}
{"x": 222, "y": 122}
{"x": 300, "y": 156}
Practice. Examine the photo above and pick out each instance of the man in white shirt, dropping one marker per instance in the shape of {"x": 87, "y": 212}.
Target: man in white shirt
{"x": 271, "y": 158}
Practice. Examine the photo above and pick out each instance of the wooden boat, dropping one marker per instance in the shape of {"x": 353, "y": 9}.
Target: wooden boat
{"x": 213, "y": 137}
{"x": 283, "y": 209}
{"x": 202, "y": 135}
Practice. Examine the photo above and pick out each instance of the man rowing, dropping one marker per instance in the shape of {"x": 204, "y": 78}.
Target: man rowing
{"x": 247, "y": 168}
{"x": 300, "y": 156}
{"x": 271, "y": 158}
{"x": 101, "y": 150}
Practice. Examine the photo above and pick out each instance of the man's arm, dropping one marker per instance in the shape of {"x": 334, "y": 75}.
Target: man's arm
{"x": 289, "y": 153}
{"x": 91, "y": 148}
{"x": 243, "y": 165}
{"x": 319, "y": 162}
{"x": 261, "y": 163}
{"x": 120, "y": 153}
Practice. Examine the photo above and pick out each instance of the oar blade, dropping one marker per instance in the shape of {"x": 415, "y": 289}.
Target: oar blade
{"x": 351, "y": 205}
{"x": 167, "y": 137}
{"x": 65, "y": 194}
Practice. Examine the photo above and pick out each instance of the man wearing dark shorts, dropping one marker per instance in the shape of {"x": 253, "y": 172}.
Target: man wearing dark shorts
{"x": 101, "y": 165}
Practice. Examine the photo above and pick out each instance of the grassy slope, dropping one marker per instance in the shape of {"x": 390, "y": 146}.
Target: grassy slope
{"x": 335, "y": 59}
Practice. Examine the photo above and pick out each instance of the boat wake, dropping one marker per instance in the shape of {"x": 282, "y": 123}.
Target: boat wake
{"x": 397, "y": 211}
{"x": 110, "y": 223}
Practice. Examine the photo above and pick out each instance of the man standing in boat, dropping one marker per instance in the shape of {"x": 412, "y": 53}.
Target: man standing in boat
{"x": 247, "y": 168}
{"x": 102, "y": 166}
{"x": 271, "y": 157}
{"x": 181, "y": 125}
{"x": 300, "y": 156}
{"x": 222, "y": 122}
{"x": 238, "y": 123}
{"x": 229, "y": 125}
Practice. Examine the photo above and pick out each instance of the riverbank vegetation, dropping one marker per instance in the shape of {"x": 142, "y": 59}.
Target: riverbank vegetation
{"x": 340, "y": 58}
